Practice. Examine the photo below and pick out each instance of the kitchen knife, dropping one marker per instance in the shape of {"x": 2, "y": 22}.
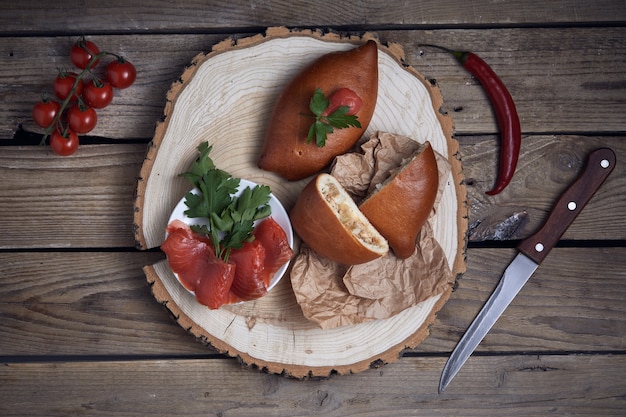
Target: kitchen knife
{"x": 532, "y": 251}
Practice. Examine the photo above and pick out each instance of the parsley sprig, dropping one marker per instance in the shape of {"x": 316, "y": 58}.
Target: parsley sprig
{"x": 231, "y": 219}
{"x": 326, "y": 124}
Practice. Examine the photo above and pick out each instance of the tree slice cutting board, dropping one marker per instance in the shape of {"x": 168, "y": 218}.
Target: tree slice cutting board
{"x": 225, "y": 97}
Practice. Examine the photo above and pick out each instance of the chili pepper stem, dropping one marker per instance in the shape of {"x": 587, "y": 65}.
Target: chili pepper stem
{"x": 461, "y": 56}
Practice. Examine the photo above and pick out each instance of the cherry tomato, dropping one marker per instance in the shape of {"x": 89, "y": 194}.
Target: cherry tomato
{"x": 64, "y": 83}
{"x": 121, "y": 73}
{"x": 81, "y": 119}
{"x": 98, "y": 94}
{"x": 64, "y": 145}
{"x": 45, "y": 111}
{"x": 82, "y": 52}
{"x": 344, "y": 97}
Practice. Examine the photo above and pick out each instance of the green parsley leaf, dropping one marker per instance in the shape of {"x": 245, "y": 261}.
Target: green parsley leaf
{"x": 340, "y": 119}
{"x": 325, "y": 125}
{"x": 231, "y": 219}
{"x": 252, "y": 204}
{"x": 318, "y": 102}
{"x": 202, "y": 165}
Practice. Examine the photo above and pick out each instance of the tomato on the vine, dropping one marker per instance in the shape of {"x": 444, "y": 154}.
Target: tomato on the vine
{"x": 64, "y": 144}
{"x": 121, "y": 73}
{"x": 98, "y": 94}
{"x": 81, "y": 119}
{"x": 73, "y": 110}
{"x": 44, "y": 112}
{"x": 63, "y": 84}
{"x": 82, "y": 53}
{"x": 344, "y": 97}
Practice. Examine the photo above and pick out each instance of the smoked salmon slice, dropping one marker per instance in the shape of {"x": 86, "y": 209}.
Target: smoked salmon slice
{"x": 274, "y": 240}
{"x": 192, "y": 257}
{"x": 244, "y": 277}
{"x": 251, "y": 276}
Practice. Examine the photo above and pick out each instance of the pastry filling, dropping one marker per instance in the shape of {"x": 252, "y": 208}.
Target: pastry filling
{"x": 349, "y": 215}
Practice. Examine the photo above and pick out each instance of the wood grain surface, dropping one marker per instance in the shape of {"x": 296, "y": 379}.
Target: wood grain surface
{"x": 102, "y": 305}
{"x": 511, "y": 385}
{"x": 162, "y": 16}
{"x": 71, "y": 219}
{"x": 272, "y": 333}
{"x": 546, "y": 70}
{"x": 81, "y": 333}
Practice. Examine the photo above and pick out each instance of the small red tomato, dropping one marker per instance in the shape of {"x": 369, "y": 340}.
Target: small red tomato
{"x": 81, "y": 119}
{"x": 344, "y": 97}
{"x": 98, "y": 94}
{"x": 45, "y": 111}
{"x": 64, "y": 145}
{"x": 64, "y": 83}
{"x": 82, "y": 53}
{"x": 121, "y": 73}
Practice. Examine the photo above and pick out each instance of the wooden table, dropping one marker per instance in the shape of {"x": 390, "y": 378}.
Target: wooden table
{"x": 81, "y": 334}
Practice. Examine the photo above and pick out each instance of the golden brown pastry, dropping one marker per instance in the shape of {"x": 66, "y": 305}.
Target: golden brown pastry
{"x": 285, "y": 148}
{"x": 399, "y": 207}
{"x": 329, "y": 222}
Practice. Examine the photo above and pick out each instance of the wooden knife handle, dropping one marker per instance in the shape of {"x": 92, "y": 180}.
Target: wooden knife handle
{"x": 600, "y": 164}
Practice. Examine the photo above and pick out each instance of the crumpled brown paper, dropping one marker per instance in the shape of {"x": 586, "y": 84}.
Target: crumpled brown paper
{"x": 334, "y": 295}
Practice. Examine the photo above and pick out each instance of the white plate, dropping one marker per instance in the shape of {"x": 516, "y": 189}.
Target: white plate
{"x": 279, "y": 214}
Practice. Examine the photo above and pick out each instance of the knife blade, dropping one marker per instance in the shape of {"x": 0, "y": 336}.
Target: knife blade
{"x": 532, "y": 251}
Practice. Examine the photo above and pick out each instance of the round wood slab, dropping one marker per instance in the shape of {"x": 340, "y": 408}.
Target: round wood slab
{"x": 225, "y": 97}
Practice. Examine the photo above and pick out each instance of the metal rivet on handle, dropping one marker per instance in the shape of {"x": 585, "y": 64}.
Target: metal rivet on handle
{"x": 539, "y": 247}
{"x": 605, "y": 163}
{"x": 571, "y": 206}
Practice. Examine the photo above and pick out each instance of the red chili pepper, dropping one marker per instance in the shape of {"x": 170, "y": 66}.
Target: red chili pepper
{"x": 504, "y": 108}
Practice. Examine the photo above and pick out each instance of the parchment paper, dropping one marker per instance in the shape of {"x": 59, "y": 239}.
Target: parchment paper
{"x": 334, "y": 295}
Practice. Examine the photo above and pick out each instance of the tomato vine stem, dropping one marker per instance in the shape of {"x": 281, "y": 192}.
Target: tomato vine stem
{"x": 56, "y": 122}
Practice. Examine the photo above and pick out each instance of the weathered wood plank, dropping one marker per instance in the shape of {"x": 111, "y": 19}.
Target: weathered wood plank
{"x": 83, "y": 201}
{"x": 43, "y": 197}
{"x": 574, "y": 299}
{"x": 547, "y": 166}
{"x": 564, "y": 64}
{"x": 83, "y": 303}
{"x": 133, "y": 113}
{"x": 562, "y": 80}
{"x": 513, "y": 385}
{"x": 85, "y": 17}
